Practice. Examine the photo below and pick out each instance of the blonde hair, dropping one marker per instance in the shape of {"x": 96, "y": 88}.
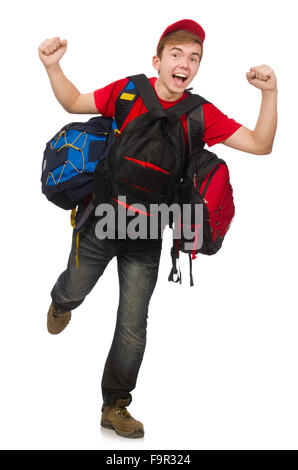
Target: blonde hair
{"x": 178, "y": 37}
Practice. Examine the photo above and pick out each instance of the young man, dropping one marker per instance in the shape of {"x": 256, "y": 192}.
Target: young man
{"x": 177, "y": 61}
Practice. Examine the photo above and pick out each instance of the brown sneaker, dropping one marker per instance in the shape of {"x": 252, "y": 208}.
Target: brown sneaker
{"x": 57, "y": 321}
{"x": 118, "y": 418}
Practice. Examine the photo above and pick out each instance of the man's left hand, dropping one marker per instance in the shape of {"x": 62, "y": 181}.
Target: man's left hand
{"x": 262, "y": 77}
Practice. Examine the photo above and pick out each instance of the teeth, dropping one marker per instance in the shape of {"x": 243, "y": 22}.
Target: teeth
{"x": 180, "y": 75}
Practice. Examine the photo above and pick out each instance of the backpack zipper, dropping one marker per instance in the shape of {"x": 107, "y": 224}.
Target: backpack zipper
{"x": 209, "y": 180}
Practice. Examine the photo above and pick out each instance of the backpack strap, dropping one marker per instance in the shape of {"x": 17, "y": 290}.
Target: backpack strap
{"x": 140, "y": 85}
{"x": 195, "y": 127}
{"x": 124, "y": 102}
{"x": 186, "y": 106}
{"x": 147, "y": 92}
{"x": 137, "y": 85}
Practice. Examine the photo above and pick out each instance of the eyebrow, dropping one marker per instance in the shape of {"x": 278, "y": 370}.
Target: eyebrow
{"x": 178, "y": 49}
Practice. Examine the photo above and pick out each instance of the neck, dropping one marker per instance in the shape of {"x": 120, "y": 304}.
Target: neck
{"x": 164, "y": 93}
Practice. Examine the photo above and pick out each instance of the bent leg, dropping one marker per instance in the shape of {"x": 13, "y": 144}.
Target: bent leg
{"x": 75, "y": 283}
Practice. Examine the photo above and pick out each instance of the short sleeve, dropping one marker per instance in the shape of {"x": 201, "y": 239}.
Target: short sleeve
{"x": 105, "y": 98}
{"x": 217, "y": 126}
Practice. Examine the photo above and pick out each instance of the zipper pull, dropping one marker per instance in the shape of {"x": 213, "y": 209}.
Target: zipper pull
{"x": 195, "y": 180}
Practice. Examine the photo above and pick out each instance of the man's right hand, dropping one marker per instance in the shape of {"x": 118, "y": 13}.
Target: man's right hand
{"x": 51, "y": 51}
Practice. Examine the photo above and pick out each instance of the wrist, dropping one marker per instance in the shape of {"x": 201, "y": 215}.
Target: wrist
{"x": 53, "y": 68}
{"x": 273, "y": 92}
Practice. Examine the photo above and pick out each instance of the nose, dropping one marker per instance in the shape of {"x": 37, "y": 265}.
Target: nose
{"x": 183, "y": 63}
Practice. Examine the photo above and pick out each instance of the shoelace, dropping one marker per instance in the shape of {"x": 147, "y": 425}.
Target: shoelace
{"x": 59, "y": 316}
{"x": 124, "y": 412}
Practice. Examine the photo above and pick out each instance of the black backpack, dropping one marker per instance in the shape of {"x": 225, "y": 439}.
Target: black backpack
{"x": 147, "y": 161}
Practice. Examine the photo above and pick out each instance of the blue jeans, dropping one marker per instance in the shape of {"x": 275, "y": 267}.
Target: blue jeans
{"x": 138, "y": 263}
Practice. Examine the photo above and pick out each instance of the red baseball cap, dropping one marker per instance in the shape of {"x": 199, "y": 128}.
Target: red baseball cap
{"x": 188, "y": 25}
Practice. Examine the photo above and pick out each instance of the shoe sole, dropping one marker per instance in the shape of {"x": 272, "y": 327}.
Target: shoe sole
{"x": 135, "y": 434}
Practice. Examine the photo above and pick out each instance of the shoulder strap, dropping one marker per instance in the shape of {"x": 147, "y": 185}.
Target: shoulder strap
{"x": 186, "y": 106}
{"x": 192, "y": 106}
{"x": 137, "y": 85}
{"x": 124, "y": 103}
{"x": 147, "y": 92}
{"x": 152, "y": 102}
{"x": 195, "y": 127}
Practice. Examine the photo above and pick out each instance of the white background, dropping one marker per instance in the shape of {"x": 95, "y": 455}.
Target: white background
{"x": 220, "y": 368}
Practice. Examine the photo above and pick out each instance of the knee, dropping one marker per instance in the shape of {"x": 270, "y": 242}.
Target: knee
{"x": 133, "y": 332}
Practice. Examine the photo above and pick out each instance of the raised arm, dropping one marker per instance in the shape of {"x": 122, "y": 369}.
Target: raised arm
{"x": 260, "y": 140}
{"x": 50, "y": 52}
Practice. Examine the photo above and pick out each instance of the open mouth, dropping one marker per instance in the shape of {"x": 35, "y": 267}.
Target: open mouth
{"x": 179, "y": 78}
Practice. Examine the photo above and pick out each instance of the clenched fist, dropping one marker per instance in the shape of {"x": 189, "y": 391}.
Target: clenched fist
{"x": 51, "y": 50}
{"x": 262, "y": 77}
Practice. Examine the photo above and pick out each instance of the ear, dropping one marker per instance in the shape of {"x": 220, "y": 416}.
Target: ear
{"x": 156, "y": 62}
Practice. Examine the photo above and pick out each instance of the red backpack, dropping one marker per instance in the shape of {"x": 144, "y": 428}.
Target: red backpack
{"x": 206, "y": 182}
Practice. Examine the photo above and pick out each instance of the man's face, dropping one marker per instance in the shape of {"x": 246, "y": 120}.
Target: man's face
{"x": 178, "y": 66}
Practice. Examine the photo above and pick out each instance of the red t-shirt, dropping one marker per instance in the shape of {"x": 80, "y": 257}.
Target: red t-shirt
{"x": 217, "y": 126}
